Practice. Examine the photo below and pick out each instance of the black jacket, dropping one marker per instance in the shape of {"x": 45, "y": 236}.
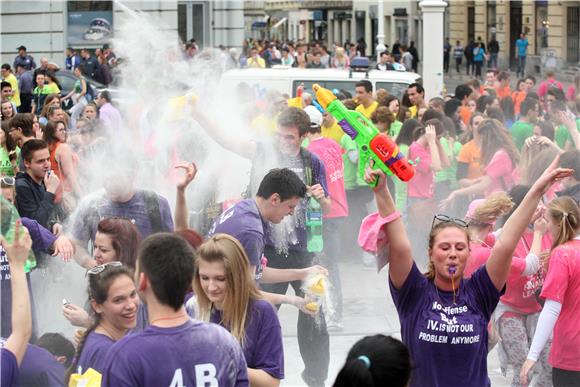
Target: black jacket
{"x": 33, "y": 201}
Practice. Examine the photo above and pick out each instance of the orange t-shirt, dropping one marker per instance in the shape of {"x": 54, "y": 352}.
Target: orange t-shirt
{"x": 502, "y": 93}
{"x": 471, "y": 155}
{"x": 518, "y": 97}
{"x": 465, "y": 114}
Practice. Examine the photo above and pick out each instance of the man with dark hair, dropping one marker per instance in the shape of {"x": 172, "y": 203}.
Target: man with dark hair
{"x": 315, "y": 62}
{"x": 286, "y": 244}
{"x": 25, "y": 86}
{"x": 72, "y": 60}
{"x": 108, "y": 114}
{"x": 59, "y": 346}
{"x": 21, "y": 130}
{"x": 23, "y": 59}
{"x": 571, "y": 159}
{"x": 36, "y": 187}
{"x": 416, "y": 94}
{"x": 40, "y": 367}
{"x": 279, "y": 194}
{"x": 89, "y": 62}
{"x": 386, "y": 62}
{"x": 364, "y": 96}
{"x": 521, "y": 54}
{"x": 530, "y": 82}
{"x": 174, "y": 350}
{"x": 524, "y": 127}
{"x": 9, "y": 77}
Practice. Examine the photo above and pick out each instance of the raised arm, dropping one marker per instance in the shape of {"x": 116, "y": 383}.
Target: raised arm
{"x": 499, "y": 262}
{"x": 181, "y": 211}
{"x": 17, "y": 253}
{"x": 229, "y": 141}
{"x": 401, "y": 260}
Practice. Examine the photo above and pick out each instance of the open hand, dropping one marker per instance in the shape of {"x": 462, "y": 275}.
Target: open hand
{"x": 552, "y": 175}
{"x": 64, "y": 247}
{"x": 190, "y": 170}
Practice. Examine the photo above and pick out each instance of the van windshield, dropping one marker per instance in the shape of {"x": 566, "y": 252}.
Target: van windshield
{"x": 395, "y": 88}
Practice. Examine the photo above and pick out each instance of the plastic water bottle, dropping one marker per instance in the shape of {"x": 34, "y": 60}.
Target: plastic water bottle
{"x": 8, "y": 223}
{"x": 314, "y": 243}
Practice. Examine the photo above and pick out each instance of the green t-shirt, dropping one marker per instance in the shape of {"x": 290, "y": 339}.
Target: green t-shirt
{"x": 449, "y": 174}
{"x": 351, "y": 178}
{"x": 562, "y": 135}
{"x": 44, "y": 90}
{"x": 5, "y": 164}
{"x": 395, "y": 129}
{"x": 401, "y": 186}
{"x": 520, "y": 132}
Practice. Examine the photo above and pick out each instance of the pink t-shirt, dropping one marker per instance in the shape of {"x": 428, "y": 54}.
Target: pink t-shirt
{"x": 421, "y": 185}
{"x": 501, "y": 171}
{"x": 543, "y": 87}
{"x": 330, "y": 153}
{"x": 562, "y": 285}
{"x": 520, "y": 291}
{"x": 479, "y": 255}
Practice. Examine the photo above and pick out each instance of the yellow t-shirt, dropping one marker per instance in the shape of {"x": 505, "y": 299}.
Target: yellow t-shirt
{"x": 14, "y": 83}
{"x": 52, "y": 88}
{"x": 263, "y": 126}
{"x": 257, "y": 63}
{"x": 334, "y": 132}
{"x": 367, "y": 111}
{"x": 413, "y": 110}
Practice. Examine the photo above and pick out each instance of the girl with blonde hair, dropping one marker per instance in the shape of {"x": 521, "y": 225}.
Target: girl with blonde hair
{"x": 340, "y": 60}
{"x": 227, "y": 295}
{"x": 561, "y": 291}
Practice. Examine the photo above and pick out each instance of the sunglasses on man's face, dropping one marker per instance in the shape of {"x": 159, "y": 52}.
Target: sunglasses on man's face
{"x": 441, "y": 218}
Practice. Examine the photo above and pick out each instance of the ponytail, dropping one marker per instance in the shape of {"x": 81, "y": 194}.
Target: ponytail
{"x": 354, "y": 373}
{"x": 73, "y": 367}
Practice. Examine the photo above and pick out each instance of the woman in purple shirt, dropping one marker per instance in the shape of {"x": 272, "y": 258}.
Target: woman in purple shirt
{"x": 227, "y": 295}
{"x": 117, "y": 239}
{"x": 114, "y": 303}
{"x": 444, "y": 317}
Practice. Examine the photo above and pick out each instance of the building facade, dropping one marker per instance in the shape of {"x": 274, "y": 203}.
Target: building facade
{"x": 47, "y": 28}
{"x": 552, "y": 29}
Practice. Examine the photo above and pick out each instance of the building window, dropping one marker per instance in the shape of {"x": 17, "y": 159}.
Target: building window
{"x": 90, "y": 23}
{"x": 542, "y": 26}
{"x": 491, "y": 17}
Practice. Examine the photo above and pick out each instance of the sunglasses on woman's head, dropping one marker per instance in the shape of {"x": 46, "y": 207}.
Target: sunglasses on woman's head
{"x": 442, "y": 218}
{"x": 7, "y": 180}
{"x": 100, "y": 268}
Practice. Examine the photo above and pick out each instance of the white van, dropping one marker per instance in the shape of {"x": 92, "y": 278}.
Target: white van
{"x": 287, "y": 79}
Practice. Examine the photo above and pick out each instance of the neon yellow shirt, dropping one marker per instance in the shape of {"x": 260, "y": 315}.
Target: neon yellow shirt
{"x": 367, "y": 112}
{"x": 14, "y": 83}
{"x": 333, "y": 132}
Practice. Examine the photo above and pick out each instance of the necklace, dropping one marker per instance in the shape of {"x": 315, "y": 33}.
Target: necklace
{"x": 109, "y": 333}
{"x": 167, "y": 318}
{"x": 454, "y": 293}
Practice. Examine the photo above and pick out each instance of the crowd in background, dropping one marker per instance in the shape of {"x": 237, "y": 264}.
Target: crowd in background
{"x": 489, "y": 157}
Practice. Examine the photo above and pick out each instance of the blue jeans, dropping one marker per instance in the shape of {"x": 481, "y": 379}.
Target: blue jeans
{"x": 492, "y": 61}
{"x": 521, "y": 65}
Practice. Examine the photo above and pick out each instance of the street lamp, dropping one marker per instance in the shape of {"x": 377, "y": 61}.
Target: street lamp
{"x": 380, "y": 30}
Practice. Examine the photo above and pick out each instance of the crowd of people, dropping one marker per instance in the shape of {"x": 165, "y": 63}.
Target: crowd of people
{"x": 170, "y": 305}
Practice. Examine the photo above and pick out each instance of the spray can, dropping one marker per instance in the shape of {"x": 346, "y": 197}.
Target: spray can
{"x": 314, "y": 242}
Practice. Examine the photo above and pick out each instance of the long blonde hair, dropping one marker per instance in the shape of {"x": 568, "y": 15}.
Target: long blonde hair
{"x": 565, "y": 212}
{"x": 241, "y": 287}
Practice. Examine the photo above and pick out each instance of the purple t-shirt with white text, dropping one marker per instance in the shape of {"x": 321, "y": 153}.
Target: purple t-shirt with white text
{"x": 244, "y": 222}
{"x": 447, "y": 340}
{"x": 40, "y": 368}
{"x": 191, "y": 354}
{"x": 94, "y": 352}
{"x": 263, "y": 348}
